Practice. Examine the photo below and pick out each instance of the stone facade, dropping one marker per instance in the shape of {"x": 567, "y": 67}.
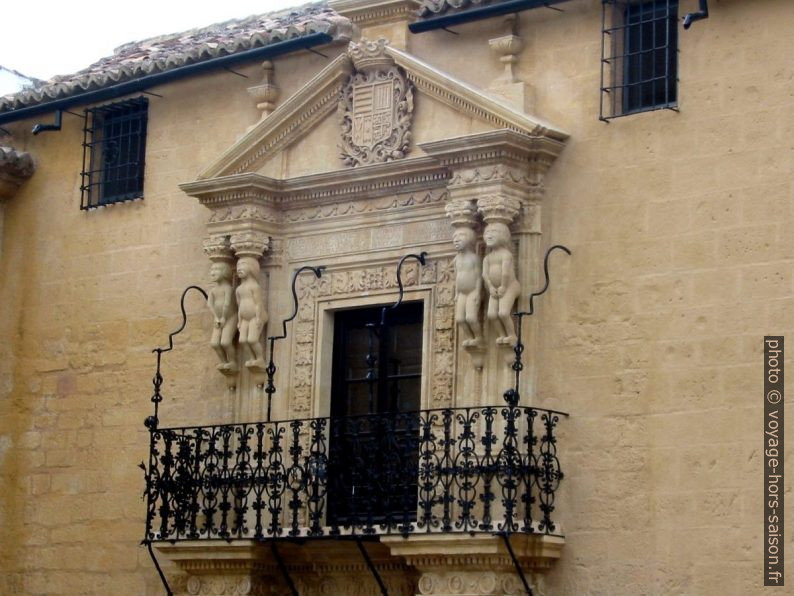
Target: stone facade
{"x": 650, "y": 336}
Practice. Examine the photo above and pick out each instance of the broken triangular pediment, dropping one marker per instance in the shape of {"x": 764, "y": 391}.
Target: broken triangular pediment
{"x": 372, "y": 105}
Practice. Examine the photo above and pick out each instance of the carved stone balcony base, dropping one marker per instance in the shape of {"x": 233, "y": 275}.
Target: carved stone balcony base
{"x": 314, "y": 567}
{"x": 475, "y": 565}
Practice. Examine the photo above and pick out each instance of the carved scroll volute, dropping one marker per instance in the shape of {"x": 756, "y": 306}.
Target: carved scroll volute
{"x": 376, "y": 107}
{"x": 223, "y": 305}
{"x": 252, "y": 307}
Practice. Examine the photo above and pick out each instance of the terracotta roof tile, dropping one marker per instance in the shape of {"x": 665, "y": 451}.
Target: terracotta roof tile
{"x": 158, "y": 54}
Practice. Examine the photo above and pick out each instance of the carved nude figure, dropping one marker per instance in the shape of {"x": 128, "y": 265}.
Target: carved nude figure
{"x": 221, "y": 301}
{"x": 252, "y": 315}
{"x": 500, "y": 280}
{"x": 468, "y": 286}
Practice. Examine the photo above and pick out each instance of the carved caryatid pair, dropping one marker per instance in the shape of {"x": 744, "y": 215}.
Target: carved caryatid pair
{"x": 496, "y": 271}
{"x": 241, "y": 309}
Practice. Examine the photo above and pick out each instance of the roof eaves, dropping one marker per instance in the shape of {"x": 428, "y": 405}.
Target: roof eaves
{"x": 159, "y": 55}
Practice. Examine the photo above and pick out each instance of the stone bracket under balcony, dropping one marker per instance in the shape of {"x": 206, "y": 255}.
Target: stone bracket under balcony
{"x": 444, "y": 564}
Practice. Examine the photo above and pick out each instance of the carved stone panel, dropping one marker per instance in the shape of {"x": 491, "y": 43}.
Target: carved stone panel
{"x": 376, "y": 107}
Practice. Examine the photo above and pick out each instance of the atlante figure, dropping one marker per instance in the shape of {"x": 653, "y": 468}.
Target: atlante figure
{"x": 468, "y": 286}
{"x": 221, "y": 302}
{"x": 500, "y": 280}
{"x": 252, "y": 315}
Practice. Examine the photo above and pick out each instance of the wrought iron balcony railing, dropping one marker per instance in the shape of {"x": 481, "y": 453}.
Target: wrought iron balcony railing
{"x": 480, "y": 469}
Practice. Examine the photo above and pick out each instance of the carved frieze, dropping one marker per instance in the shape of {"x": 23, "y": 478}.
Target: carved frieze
{"x": 481, "y": 583}
{"x": 231, "y": 585}
{"x": 492, "y": 173}
{"x": 376, "y": 107}
{"x": 243, "y": 212}
{"x": 366, "y": 205}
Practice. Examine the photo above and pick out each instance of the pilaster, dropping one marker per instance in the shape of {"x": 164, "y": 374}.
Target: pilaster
{"x": 500, "y": 173}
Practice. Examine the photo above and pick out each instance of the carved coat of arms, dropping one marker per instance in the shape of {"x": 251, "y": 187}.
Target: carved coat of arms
{"x": 376, "y": 107}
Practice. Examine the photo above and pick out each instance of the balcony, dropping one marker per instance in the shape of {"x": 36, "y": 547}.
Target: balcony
{"x": 456, "y": 470}
{"x": 442, "y": 497}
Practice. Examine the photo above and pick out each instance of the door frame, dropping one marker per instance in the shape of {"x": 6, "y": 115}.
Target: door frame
{"x": 321, "y": 407}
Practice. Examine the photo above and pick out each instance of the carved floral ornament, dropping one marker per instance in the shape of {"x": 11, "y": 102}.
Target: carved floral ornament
{"x": 376, "y": 107}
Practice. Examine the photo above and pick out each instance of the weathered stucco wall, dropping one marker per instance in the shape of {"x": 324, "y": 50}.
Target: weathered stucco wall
{"x": 651, "y": 335}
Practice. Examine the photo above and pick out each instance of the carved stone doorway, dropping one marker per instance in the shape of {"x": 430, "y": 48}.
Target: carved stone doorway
{"x": 375, "y": 398}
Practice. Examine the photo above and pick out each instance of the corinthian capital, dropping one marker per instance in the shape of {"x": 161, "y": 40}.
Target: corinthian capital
{"x": 462, "y": 213}
{"x": 249, "y": 244}
{"x": 497, "y": 209}
{"x": 218, "y": 249}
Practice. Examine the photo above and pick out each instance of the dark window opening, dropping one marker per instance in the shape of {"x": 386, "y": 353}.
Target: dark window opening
{"x": 639, "y": 62}
{"x": 114, "y": 148}
{"x": 374, "y": 420}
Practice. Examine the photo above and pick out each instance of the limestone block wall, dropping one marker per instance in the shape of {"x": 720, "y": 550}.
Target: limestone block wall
{"x": 86, "y": 296}
{"x": 653, "y": 339}
{"x": 650, "y": 335}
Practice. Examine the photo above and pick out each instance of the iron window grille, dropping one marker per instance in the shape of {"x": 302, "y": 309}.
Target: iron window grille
{"x": 639, "y": 56}
{"x": 114, "y": 147}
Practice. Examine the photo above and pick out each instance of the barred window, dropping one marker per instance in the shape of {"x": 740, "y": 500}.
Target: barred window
{"x": 114, "y": 146}
{"x": 639, "y": 56}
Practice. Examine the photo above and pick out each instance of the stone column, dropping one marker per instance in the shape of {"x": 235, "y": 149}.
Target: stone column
{"x": 501, "y": 173}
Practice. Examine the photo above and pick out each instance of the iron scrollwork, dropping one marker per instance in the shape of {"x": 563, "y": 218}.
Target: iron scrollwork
{"x": 375, "y": 329}
{"x": 471, "y": 470}
{"x": 512, "y": 395}
{"x": 270, "y": 389}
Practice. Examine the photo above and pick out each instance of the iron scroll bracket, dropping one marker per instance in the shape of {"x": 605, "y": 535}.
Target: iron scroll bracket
{"x": 152, "y": 421}
{"x": 374, "y": 329}
{"x": 371, "y": 567}
{"x": 270, "y": 389}
{"x": 512, "y": 395}
{"x": 517, "y": 564}
{"x": 159, "y": 570}
{"x": 283, "y": 568}
{"x": 422, "y": 259}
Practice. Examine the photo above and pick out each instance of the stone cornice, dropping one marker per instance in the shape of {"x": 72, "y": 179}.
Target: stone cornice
{"x": 373, "y": 12}
{"x": 288, "y": 122}
{"x": 371, "y": 181}
{"x": 470, "y": 100}
{"x": 448, "y": 551}
{"x": 496, "y": 146}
